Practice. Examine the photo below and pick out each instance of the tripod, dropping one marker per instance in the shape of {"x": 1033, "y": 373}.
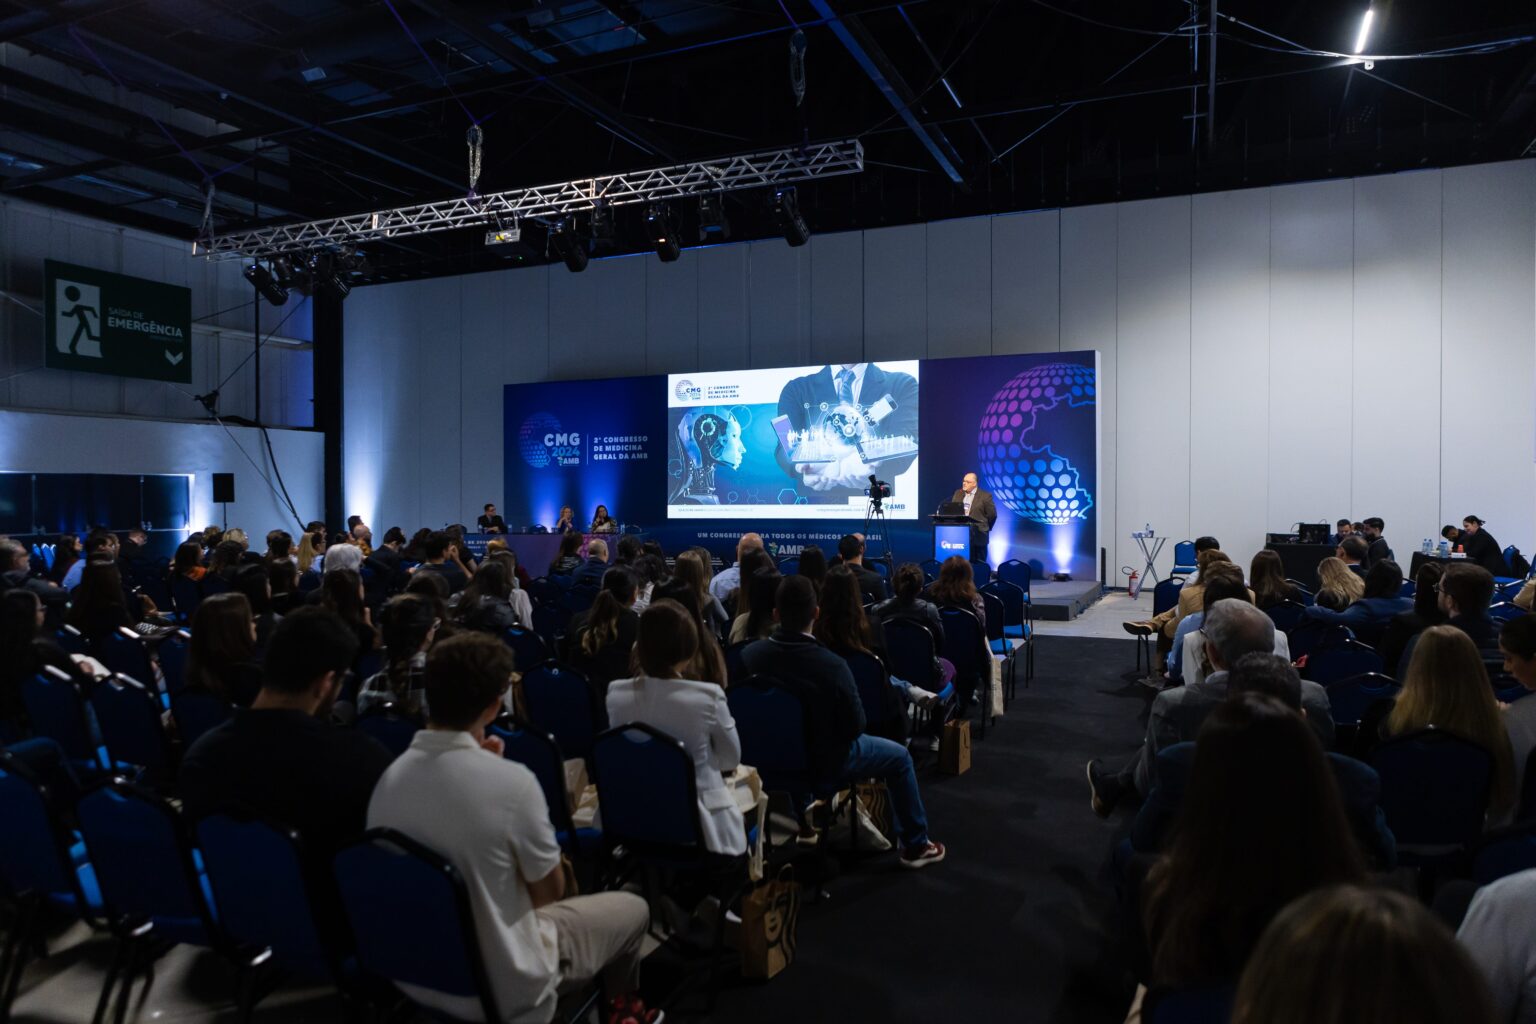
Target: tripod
{"x": 875, "y": 529}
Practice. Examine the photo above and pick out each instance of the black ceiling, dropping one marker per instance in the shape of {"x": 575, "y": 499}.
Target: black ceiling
{"x": 298, "y": 109}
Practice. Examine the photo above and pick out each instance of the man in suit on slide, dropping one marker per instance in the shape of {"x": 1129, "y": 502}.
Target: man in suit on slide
{"x": 983, "y": 512}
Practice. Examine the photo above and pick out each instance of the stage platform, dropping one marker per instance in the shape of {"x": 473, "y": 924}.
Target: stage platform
{"x": 1063, "y": 602}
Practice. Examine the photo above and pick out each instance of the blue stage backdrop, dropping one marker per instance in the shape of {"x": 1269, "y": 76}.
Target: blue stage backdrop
{"x": 697, "y": 458}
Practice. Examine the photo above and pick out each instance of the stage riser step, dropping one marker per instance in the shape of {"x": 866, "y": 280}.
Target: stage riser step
{"x": 1063, "y": 602}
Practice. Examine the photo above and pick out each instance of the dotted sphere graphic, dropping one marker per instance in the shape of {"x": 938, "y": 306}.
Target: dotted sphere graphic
{"x": 530, "y": 439}
{"x": 1021, "y": 469}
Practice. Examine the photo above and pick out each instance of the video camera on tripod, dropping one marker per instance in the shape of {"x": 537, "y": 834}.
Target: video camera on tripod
{"x": 878, "y": 490}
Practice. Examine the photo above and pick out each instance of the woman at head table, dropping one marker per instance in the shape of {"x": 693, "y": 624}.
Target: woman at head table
{"x": 567, "y": 521}
{"x": 602, "y": 522}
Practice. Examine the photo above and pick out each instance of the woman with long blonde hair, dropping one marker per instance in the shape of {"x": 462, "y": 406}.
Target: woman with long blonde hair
{"x": 311, "y": 547}
{"x": 1338, "y": 585}
{"x": 1447, "y": 686}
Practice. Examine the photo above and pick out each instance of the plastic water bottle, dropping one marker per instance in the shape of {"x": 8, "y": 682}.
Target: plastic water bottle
{"x": 1425, "y": 549}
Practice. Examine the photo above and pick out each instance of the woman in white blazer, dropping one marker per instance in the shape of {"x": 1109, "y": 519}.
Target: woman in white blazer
{"x": 693, "y": 713}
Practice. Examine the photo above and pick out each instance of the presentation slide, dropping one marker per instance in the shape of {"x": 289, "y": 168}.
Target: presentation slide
{"x": 794, "y": 443}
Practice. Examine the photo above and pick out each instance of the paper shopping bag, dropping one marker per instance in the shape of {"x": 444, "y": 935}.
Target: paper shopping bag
{"x": 955, "y": 747}
{"x": 769, "y": 914}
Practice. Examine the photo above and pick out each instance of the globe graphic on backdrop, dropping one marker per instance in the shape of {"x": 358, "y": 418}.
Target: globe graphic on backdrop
{"x": 1022, "y": 470}
{"x": 530, "y": 439}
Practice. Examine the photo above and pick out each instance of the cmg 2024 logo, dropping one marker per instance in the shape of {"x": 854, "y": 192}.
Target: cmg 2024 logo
{"x": 542, "y": 441}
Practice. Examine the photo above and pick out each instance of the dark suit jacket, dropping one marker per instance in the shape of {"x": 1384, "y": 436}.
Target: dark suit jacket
{"x": 823, "y": 681}
{"x": 983, "y": 509}
{"x": 812, "y": 390}
{"x": 590, "y": 574}
{"x": 871, "y": 583}
{"x": 1379, "y": 551}
{"x": 489, "y": 524}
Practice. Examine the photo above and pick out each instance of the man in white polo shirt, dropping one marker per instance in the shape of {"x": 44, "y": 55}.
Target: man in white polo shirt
{"x": 453, "y": 792}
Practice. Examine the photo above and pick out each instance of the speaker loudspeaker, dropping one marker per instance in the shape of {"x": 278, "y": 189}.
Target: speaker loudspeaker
{"x": 223, "y": 488}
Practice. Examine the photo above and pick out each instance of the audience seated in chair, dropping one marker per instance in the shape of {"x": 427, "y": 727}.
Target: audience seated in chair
{"x": 1466, "y": 591}
{"x": 1160, "y": 624}
{"x": 410, "y": 625}
{"x": 454, "y": 792}
{"x": 1498, "y": 936}
{"x": 1186, "y": 662}
{"x": 694, "y": 713}
{"x": 709, "y": 664}
{"x": 729, "y": 578}
{"x": 599, "y": 640}
{"x": 281, "y": 757}
{"x": 841, "y": 751}
{"x": 16, "y": 573}
{"x": 1262, "y": 824}
{"x": 1266, "y": 578}
{"x": 871, "y": 584}
{"x": 590, "y": 574}
{"x": 755, "y": 602}
{"x": 1407, "y": 625}
{"x": 1354, "y": 954}
{"x": 1354, "y": 551}
{"x": 1338, "y": 586}
{"x": 1517, "y": 642}
{"x": 812, "y": 564}
{"x": 568, "y": 557}
{"x": 27, "y": 650}
{"x": 221, "y": 658}
{"x": 1232, "y": 629}
{"x": 693, "y": 569}
{"x": 1379, "y": 601}
{"x": 342, "y": 593}
{"x": 487, "y": 606}
{"x": 1446, "y": 686}
{"x": 956, "y": 588}
{"x": 440, "y": 556}
{"x": 1273, "y": 676}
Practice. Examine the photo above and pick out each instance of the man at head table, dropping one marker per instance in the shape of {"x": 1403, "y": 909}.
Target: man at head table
{"x": 490, "y": 522}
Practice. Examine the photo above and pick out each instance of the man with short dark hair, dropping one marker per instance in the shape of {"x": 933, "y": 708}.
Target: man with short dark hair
{"x": 1353, "y": 551}
{"x": 441, "y": 556}
{"x": 1465, "y": 592}
{"x": 729, "y": 578}
{"x": 490, "y": 522}
{"x": 454, "y": 792}
{"x": 629, "y": 549}
{"x": 281, "y": 757}
{"x": 871, "y": 583}
{"x": 1377, "y": 550}
{"x": 839, "y": 749}
{"x": 1343, "y": 528}
{"x": 1158, "y": 624}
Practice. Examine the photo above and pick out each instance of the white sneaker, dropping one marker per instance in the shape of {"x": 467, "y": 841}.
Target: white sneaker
{"x": 933, "y": 745}
{"x": 922, "y": 698}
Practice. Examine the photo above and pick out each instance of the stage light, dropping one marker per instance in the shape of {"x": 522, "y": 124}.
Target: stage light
{"x": 661, "y": 225}
{"x": 786, "y": 208}
{"x": 1365, "y": 29}
{"x": 322, "y": 268}
{"x": 569, "y": 245}
{"x": 266, "y": 284}
{"x": 713, "y": 225}
{"x": 602, "y": 224}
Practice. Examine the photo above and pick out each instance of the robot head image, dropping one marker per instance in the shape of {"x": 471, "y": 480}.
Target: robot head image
{"x": 707, "y": 438}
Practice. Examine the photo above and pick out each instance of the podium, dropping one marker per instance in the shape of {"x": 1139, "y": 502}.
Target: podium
{"x": 951, "y": 536}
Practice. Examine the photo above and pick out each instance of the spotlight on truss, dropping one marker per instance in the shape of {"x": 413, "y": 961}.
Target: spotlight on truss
{"x": 713, "y": 225}
{"x": 786, "y": 209}
{"x": 661, "y": 225}
{"x": 567, "y": 243}
{"x": 266, "y": 284}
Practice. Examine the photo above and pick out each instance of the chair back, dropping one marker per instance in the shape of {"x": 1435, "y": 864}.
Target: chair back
{"x": 1506, "y": 610}
{"x": 1184, "y": 557}
{"x": 1349, "y": 658}
{"x": 1505, "y": 852}
{"x": 558, "y": 701}
{"x": 213, "y": 583}
{"x": 1017, "y": 573}
{"x": 1349, "y": 697}
{"x": 1188, "y": 1005}
{"x": 144, "y": 862}
{"x": 930, "y": 567}
{"x": 410, "y": 913}
{"x": 1015, "y": 600}
{"x": 961, "y": 645}
{"x": 35, "y": 855}
{"x": 128, "y": 719}
{"x": 72, "y": 640}
{"x": 56, "y": 709}
{"x": 1286, "y": 615}
{"x": 770, "y": 721}
{"x": 646, "y": 792}
{"x": 735, "y": 668}
{"x": 579, "y": 599}
{"x": 789, "y": 565}
{"x": 549, "y": 621}
{"x": 1165, "y": 595}
{"x": 186, "y": 595}
{"x": 996, "y": 613}
{"x": 1408, "y": 589}
{"x": 543, "y": 590}
{"x": 196, "y": 711}
{"x": 527, "y": 646}
{"x": 121, "y": 651}
{"x": 1434, "y": 787}
{"x": 256, "y": 872}
{"x": 173, "y": 660}
{"x": 982, "y": 571}
{"x": 909, "y": 651}
{"x": 874, "y": 685}
{"x": 392, "y": 728}
{"x": 539, "y": 752}
{"x": 1312, "y": 636}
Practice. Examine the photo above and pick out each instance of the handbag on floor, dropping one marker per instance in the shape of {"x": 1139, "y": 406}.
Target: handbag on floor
{"x": 769, "y": 914}
{"x": 955, "y": 747}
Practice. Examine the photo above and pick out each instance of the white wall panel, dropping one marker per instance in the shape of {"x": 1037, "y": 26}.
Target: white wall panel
{"x": 1396, "y": 365}
{"x": 1488, "y": 359}
{"x": 1311, "y": 318}
{"x": 896, "y": 293}
{"x": 1153, "y": 290}
{"x": 723, "y": 322}
{"x": 1026, "y": 282}
{"x": 1089, "y": 272}
{"x": 1229, "y": 360}
{"x": 837, "y": 298}
{"x": 779, "y": 303}
{"x": 959, "y": 254}
{"x": 672, "y": 315}
{"x": 434, "y": 318}
{"x": 486, "y": 308}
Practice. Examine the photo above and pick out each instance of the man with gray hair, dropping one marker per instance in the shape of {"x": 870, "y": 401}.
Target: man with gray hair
{"x": 1232, "y": 629}
{"x": 729, "y": 579}
{"x": 343, "y": 556}
{"x": 16, "y": 574}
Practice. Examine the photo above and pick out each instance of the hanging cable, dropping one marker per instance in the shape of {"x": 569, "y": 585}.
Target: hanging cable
{"x": 797, "y": 65}
{"x": 475, "y": 138}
